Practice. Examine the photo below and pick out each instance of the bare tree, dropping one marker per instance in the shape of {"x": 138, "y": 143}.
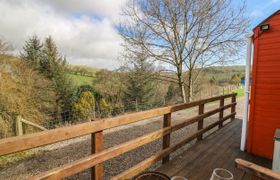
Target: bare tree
{"x": 186, "y": 35}
{"x": 4, "y": 47}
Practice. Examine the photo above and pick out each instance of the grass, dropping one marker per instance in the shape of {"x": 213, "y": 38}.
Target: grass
{"x": 15, "y": 157}
{"x": 240, "y": 92}
{"x": 80, "y": 80}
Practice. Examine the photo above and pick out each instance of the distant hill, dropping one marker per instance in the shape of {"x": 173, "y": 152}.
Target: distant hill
{"x": 223, "y": 74}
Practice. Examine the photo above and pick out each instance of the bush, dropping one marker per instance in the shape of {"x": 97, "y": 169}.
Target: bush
{"x": 84, "y": 108}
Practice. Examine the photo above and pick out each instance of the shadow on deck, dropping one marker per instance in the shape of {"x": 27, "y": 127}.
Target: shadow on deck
{"x": 217, "y": 150}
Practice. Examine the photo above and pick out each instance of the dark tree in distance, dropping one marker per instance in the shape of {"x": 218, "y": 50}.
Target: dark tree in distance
{"x": 140, "y": 84}
{"x": 32, "y": 51}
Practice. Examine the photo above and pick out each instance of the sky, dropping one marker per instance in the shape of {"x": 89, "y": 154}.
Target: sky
{"x": 84, "y": 30}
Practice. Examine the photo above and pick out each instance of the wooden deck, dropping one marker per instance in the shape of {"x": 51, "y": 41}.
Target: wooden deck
{"x": 218, "y": 150}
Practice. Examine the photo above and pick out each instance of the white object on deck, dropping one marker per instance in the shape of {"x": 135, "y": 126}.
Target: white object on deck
{"x": 276, "y": 154}
{"x": 247, "y": 92}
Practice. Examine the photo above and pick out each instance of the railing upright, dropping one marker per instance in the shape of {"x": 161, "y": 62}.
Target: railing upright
{"x": 221, "y": 114}
{"x": 166, "y": 138}
{"x": 200, "y": 122}
{"x": 97, "y": 146}
{"x": 233, "y": 108}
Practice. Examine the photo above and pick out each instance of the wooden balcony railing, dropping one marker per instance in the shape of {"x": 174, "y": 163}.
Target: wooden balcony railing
{"x": 96, "y": 128}
{"x": 256, "y": 171}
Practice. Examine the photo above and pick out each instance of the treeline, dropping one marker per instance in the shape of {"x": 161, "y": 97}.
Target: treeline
{"x": 82, "y": 70}
{"x": 37, "y": 86}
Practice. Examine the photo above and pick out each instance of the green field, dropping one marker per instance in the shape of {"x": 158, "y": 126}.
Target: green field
{"x": 240, "y": 92}
{"x": 80, "y": 80}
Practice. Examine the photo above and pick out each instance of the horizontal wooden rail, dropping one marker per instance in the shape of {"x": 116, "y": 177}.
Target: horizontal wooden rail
{"x": 96, "y": 128}
{"x": 15, "y": 144}
{"x": 89, "y": 161}
{"x": 256, "y": 170}
{"x": 128, "y": 174}
{"x": 34, "y": 125}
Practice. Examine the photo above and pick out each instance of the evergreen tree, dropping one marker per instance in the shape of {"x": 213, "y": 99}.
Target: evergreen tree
{"x": 171, "y": 93}
{"x": 53, "y": 65}
{"x": 140, "y": 85}
{"x": 32, "y": 51}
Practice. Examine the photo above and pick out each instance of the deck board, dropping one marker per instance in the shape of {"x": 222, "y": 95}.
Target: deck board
{"x": 218, "y": 150}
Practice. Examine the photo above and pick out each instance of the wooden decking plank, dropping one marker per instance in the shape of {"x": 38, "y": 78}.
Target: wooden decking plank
{"x": 192, "y": 154}
{"x": 215, "y": 151}
{"x": 213, "y": 158}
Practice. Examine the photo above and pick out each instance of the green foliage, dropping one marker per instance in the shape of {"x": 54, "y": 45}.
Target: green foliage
{"x": 105, "y": 108}
{"x": 82, "y": 70}
{"x": 223, "y": 74}
{"x": 88, "y": 88}
{"x": 32, "y": 51}
{"x": 140, "y": 86}
{"x": 52, "y": 63}
{"x": 240, "y": 92}
{"x": 15, "y": 157}
{"x": 110, "y": 85}
{"x": 84, "y": 108}
{"x": 171, "y": 93}
{"x": 79, "y": 80}
{"x": 235, "y": 79}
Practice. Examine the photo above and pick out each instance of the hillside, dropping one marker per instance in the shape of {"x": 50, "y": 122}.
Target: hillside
{"x": 223, "y": 74}
{"x": 23, "y": 91}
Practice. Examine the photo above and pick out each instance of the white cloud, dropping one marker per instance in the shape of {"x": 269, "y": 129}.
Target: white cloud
{"x": 83, "y": 30}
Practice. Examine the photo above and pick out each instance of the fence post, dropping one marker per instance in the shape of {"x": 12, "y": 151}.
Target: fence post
{"x": 166, "y": 138}
{"x": 97, "y": 146}
{"x": 200, "y": 122}
{"x": 233, "y": 100}
{"x": 19, "y": 130}
{"x": 221, "y": 114}
{"x": 136, "y": 105}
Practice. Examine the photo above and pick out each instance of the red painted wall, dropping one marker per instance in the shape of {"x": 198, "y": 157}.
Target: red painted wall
{"x": 264, "y": 114}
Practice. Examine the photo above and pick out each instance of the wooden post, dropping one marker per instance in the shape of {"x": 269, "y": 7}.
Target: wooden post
{"x": 97, "y": 146}
{"x": 221, "y": 114}
{"x": 166, "y": 138}
{"x": 136, "y": 105}
{"x": 19, "y": 130}
{"x": 200, "y": 122}
{"x": 233, "y": 100}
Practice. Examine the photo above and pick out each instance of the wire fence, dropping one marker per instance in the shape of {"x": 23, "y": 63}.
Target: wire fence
{"x": 68, "y": 117}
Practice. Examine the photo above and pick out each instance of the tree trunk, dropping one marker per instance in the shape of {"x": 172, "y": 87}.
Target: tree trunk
{"x": 190, "y": 87}
{"x": 183, "y": 92}
{"x": 182, "y": 88}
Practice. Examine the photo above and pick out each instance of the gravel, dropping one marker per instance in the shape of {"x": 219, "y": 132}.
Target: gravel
{"x": 52, "y": 156}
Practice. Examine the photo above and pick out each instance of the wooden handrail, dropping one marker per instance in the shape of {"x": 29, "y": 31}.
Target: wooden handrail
{"x": 89, "y": 161}
{"x": 156, "y": 157}
{"x": 256, "y": 170}
{"x": 96, "y": 128}
{"x": 15, "y": 144}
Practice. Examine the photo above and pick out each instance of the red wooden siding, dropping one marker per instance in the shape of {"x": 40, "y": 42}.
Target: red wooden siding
{"x": 264, "y": 115}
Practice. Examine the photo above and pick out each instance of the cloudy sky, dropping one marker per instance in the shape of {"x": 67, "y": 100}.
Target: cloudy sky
{"x": 83, "y": 29}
